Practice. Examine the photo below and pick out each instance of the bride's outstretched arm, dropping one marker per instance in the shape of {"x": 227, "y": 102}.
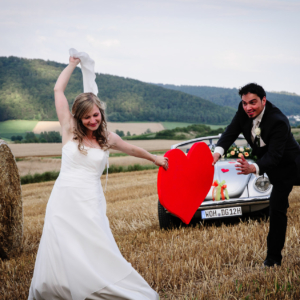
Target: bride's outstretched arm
{"x": 61, "y": 103}
{"x": 117, "y": 143}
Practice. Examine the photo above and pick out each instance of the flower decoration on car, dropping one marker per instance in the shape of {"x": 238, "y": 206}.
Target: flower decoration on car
{"x": 235, "y": 152}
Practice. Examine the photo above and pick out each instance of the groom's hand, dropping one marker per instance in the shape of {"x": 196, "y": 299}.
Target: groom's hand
{"x": 216, "y": 157}
{"x": 244, "y": 167}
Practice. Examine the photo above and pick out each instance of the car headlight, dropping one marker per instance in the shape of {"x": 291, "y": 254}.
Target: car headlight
{"x": 262, "y": 184}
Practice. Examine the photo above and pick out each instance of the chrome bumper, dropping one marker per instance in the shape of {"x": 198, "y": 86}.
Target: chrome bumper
{"x": 233, "y": 202}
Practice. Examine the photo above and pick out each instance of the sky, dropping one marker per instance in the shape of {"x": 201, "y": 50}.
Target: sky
{"x": 223, "y": 43}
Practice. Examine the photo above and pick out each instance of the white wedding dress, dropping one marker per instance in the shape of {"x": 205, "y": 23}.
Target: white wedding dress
{"x": 78, "y": 258}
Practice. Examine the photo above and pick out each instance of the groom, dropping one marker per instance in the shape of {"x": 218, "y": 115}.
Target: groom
{"x": 268, "y": 132}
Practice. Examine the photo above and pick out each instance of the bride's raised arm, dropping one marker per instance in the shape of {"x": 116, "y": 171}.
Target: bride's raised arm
{"x": 61, "y": 104}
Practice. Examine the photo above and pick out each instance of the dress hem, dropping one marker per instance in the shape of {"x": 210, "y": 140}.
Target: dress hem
{"x": 110, "y": 284}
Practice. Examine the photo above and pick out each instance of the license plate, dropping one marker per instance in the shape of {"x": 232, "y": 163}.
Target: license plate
{"x": 221, "y": 213}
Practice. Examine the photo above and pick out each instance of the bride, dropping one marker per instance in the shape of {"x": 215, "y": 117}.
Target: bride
{"x": 78, "y": 257}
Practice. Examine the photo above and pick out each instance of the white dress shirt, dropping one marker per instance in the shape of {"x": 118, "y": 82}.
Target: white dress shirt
{"x": 220, "y": 150}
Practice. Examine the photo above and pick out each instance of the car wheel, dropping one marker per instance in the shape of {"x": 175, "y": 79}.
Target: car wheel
{"x": 266, "y": 211}
{"x": 166, "y": 220}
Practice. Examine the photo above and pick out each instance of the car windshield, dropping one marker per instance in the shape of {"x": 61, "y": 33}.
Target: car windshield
{"x": 211, "y": 142}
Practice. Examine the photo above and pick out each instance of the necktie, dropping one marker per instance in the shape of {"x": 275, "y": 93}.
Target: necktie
{"x": 255, "y": 125}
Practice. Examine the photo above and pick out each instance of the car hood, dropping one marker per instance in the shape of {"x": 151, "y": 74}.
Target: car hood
{"x": 225, "y": 170}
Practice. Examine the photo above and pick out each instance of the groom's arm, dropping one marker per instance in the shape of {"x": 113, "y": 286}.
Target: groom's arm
{"x": 228, "y": 137}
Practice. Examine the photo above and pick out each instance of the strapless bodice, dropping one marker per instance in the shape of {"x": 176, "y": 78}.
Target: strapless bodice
{"x": 79, "y": 168}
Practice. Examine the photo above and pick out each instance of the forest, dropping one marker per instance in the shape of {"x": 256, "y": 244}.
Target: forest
{"x": 288, "y": 103}
{"x": 43, "y": 137}
{"x": 26, "y": 92}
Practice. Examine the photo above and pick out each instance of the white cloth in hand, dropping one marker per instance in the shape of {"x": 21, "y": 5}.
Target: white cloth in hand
{"x": 88, "y": 71}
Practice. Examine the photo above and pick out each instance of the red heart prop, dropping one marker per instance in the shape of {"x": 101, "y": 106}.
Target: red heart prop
{"x": 225, "y": 170}
{"x": 186, "y": 183}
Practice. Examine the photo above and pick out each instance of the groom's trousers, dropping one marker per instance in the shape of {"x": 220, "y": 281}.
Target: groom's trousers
{"x": 278, "y": 210}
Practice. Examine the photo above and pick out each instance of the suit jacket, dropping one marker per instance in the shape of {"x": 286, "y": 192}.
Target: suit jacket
{"x": 280, "y": 157}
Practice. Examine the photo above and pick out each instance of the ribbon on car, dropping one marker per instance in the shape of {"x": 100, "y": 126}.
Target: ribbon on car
{"x": 218, "y": 190}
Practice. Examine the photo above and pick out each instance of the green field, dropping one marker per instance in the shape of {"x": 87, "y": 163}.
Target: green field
{"x": 16, "y": 127}
{"x": 172, "y": 125}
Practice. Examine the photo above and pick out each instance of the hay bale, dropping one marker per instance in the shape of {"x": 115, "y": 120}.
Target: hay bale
{"x": 11, "y": 206}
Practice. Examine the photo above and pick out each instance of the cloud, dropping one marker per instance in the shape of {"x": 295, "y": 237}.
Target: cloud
{"x": 268, "y": 4}
{"x": 215, "y": 42}
{"x": 66, "y": 34}
{"x": 100, "y": 44}
{"x": 41, "y": 39}
{"x": 281, "y": 5}
{"x": 279, "y": 59}
{"x": 110, "y": 43}
{"x": 234, "y": 61}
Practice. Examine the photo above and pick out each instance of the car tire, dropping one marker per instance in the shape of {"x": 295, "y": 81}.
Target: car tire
{"x": 266, "y": 211}
{"x": 263, "y": 213}
{"x": 166, "y": 220}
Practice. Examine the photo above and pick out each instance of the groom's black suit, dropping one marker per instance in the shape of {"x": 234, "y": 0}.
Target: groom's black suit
{"x": 279, "y": 159}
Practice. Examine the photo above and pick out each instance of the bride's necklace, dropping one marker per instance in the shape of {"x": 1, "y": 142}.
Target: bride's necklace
{"x": 89, "y": 142}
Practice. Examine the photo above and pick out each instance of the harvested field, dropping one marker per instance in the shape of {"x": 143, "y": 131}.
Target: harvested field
{"x": 296, "y": 133}
{"x": 32, "y": 149}
{"x": 53, "y": 149}
{"x": 47, "y": 126}
{"x": 32, "y": 165}
{"x": 206, "y": 261}
{"x": 133, "y": 128}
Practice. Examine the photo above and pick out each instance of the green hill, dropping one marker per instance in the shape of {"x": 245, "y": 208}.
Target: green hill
{"x": 26, "y": 92}
{"x": 288, "y": 103}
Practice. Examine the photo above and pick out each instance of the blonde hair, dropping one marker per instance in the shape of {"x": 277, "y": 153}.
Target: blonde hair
{"x": 82, "y": 105}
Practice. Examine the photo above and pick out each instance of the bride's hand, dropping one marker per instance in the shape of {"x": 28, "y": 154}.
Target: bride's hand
{"x": 74, "y": 61}
{"x": 162, "y": 162}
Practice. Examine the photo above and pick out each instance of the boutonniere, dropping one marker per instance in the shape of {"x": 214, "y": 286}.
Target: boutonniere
{"x": 257, "y": 133}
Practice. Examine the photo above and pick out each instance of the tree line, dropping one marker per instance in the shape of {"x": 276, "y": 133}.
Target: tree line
{"x": 26, "y": 92}
{"x": 43, "y": 137}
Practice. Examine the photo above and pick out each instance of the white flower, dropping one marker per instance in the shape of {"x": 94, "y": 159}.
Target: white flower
{"x": 257, "y": 131}
{"x": 241, "y": 149}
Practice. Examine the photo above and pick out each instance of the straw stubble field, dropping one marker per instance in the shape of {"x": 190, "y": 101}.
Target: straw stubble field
{"x": 54, "y": 149}
{"x": 32, "y": 165}
{"x": 205, "y": 261}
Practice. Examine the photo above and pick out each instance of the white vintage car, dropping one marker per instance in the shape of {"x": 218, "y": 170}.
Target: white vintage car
{"x": 247, "y": 193}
